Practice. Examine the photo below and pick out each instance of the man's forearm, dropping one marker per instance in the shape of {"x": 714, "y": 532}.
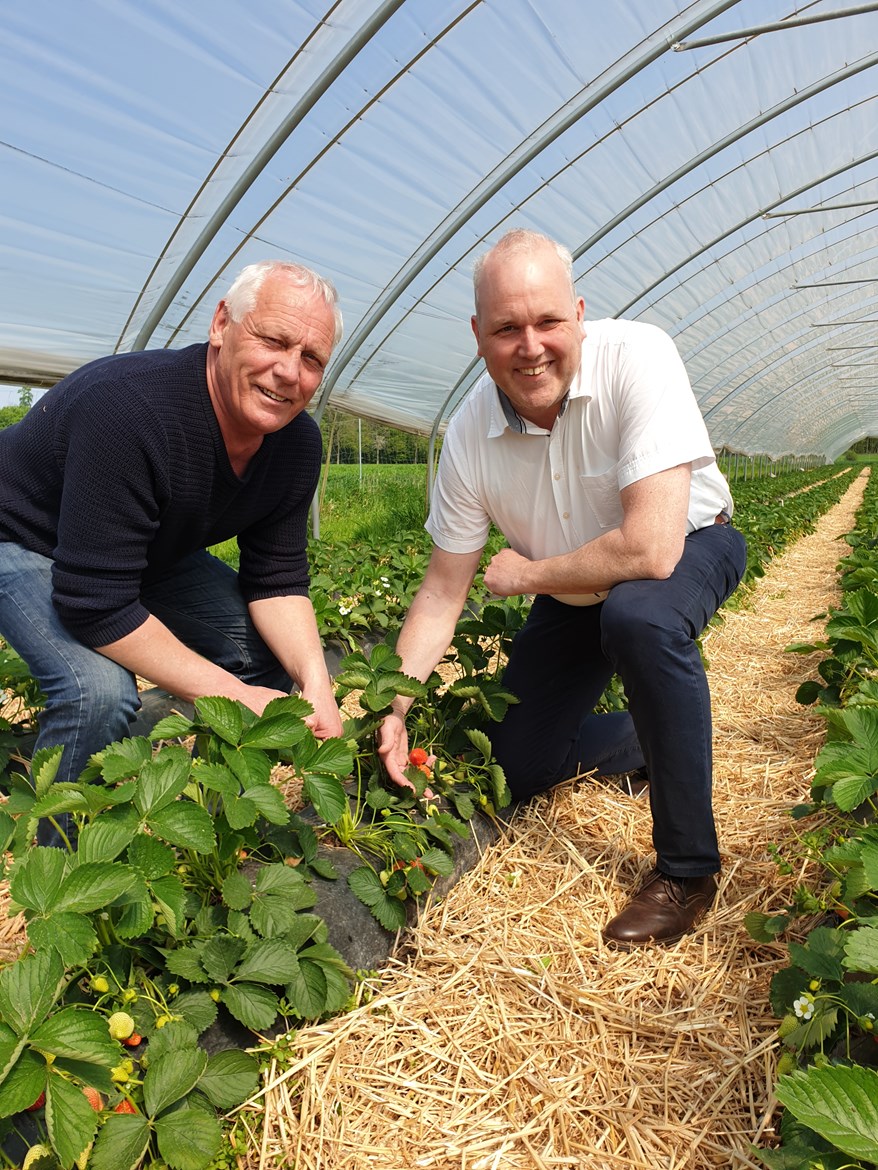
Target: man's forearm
{"x": 647, "y": 546}
{"x": 423, "y": 640}
{"x": 593, "y": 568}
{"x": 430, "y": 623}
{"x": 289, "y": 628}
{"x": 154, "y": 653}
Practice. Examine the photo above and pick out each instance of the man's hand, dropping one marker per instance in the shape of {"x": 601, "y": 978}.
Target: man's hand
{"x": 325, "y": 721}
{"x": 393, "y": 749}
{"x": 505, "y": 574}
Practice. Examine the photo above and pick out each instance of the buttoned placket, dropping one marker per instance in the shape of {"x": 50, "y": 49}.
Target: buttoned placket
{"x": 559, "y": 474}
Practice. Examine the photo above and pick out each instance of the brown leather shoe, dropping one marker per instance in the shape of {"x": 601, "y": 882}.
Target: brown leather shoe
{"x": 662, "y": 911}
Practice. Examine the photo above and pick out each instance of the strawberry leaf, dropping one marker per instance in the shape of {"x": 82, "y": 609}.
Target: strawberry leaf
{"x": 839, "y": 1103}
{"x": 121, "y": 1143}
{"x": 72, "y": 936}
{"x": 237, "y": 892}
{"x": 230, "y": 1078}
{"x": 24, "y": 1080}
{"x": 162, "y": 779}
{"x": 152, "y": 857}
{"x": 77, "y": 1033}
{"x": 171, "y": 1077}
{"x": 268, "y": 961}
{"x": 29, "y": 987}
{"x": 861, "y": 950}
{"x": 104, "y": 839}
{"x": 224, "y": 717}
{"x": 188, "y": 1138}
{"x": 220, "y": 955}
{"x": 256, "y": 1007}
{"x": 186, "y": 825}
{"x": 366, "y": 884}
{"x": 268, "y": 803}
{"x": 70, "y": 1119}
{"x": 277, "y": 731}
{"x": 170, "y": 897}
{"x": 93, "y": 886}
{"x": 327, "y": 796}
{"x": 36, "y": 879}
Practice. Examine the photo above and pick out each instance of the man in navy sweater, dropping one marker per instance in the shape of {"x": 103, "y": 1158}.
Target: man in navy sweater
{"x": 115, "y": 483}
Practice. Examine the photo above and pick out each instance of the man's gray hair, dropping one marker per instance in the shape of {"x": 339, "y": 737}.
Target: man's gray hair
{"x": 519, "y": 241}
{"x": 241, "y": 297}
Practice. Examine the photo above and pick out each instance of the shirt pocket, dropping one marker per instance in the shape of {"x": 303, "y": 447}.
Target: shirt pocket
{"x": 600, "y": 496}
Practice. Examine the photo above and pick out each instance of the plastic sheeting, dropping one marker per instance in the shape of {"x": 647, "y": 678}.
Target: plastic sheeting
{"x": 727, "y": 191}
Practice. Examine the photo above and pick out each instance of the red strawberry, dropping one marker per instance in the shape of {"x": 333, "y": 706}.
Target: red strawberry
{"x": 124, "y": 1106}
{"x": 417, "y": 756}
{"x": 38, "y": 1104}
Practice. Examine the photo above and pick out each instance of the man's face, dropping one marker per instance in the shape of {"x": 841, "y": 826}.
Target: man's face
{"x": 269, "y": 365}
{"x": 529, "y": 330}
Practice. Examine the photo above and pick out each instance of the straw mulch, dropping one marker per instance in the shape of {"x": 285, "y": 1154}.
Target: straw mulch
{"x": 506, "y": 1036}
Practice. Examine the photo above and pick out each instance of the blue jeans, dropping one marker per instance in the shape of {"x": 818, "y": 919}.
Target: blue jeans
{"x": 92, "y": 701}
{"x": 645, "y": 632}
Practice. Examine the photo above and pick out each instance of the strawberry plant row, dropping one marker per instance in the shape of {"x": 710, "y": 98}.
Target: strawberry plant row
{"x": 827, "y": 995}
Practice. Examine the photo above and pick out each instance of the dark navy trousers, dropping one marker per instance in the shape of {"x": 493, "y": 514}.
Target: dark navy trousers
{"x": 645, "y": 631}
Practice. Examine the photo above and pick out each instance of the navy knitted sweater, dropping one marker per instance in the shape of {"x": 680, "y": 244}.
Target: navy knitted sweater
{"x": 120, "y": 470}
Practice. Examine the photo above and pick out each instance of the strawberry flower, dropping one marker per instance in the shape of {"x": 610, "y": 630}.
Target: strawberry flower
{"x": 804, "y": 1006}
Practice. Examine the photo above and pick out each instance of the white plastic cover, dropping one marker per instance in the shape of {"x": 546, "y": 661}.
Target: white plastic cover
{"x": 151, "y": 148}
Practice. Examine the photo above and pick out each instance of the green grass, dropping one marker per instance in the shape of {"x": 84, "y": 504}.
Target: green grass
{"x": 387, "y": 501}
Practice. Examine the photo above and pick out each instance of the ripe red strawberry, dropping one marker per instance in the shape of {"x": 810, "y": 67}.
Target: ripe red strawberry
{"x": 417, "y": 756}
{"x": 38, "y": 1104}
{"x": 133, "y": 1040}
{"x": 124, "y": 1106}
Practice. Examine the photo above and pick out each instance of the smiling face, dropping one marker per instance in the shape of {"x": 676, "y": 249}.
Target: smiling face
{"x": 528, "y": 326}
{"x": 264, "y": 369}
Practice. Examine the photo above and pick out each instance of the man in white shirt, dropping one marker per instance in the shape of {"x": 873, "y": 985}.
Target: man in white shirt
{"x": 584, "y": 444}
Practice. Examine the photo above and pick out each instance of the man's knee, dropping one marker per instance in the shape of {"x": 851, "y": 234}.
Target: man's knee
{"x": 94, "y": 691}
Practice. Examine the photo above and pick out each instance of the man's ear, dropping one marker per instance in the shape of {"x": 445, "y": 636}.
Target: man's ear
{"x": 475, "y": 328}
{"x": 218, "y": 324}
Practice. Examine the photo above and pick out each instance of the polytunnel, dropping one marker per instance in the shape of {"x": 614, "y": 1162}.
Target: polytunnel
{"x": 713, "y": 167}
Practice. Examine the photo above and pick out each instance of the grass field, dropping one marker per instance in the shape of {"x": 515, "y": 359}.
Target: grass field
{"x": 377, "y": 502}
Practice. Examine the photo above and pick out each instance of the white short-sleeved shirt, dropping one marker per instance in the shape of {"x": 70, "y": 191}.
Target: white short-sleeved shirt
{"x": 630, "y": 413}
